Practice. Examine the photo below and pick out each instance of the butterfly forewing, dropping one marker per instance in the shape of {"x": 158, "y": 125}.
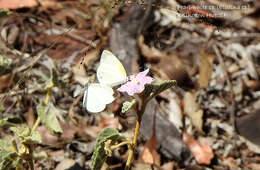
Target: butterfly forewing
{"x": 110, "y": 71}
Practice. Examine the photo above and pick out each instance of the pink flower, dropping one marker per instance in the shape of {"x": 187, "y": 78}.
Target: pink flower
{"x": 136, "y": 83}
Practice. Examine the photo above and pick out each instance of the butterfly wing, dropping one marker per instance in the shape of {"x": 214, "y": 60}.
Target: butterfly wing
{"x": 110, "y": 71}
{"x": 97, "y": 97}
{"x": 85, "y": 95}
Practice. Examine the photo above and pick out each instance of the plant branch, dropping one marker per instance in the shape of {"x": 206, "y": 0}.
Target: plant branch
{"x": 113, "y": 147}
{"x": 132, "y": 148}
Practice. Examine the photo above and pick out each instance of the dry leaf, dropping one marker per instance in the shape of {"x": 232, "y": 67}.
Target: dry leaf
{"x": 143, "y": 166}
{"x": 89, "y": 131}
{"x": 112, "y": 122}
{"x": 67, "y": 48}
{"x": 201, "y": 151}
{"x": 253, "y": 166}
{"x": 149, "y": 154}
{"x": 47, "y": 137}
{"x": 206, "y": 68}
{"x": 173, "y": 109}
{"x": 231, "y": 163}
{"x": 65, "y": 164}
{"x": 152, "y": 54}
{"x": 79, "y": 70}
{"x": 6, "y": 81}
{"x": 50, "y": 139}
{"x": 248, "y": 127}
{"x": 253, "y": 84}
{"x": 68, "y": 131}
{"x": 168, "y": 166}
{"x": 171, "y": 67}
{"x": 50, "y": 4}
{"x": 57, "y": 156}
{"x": 15, "y": 4}
{"x": 29, "y": 116}
{"x": 191, "y": 108}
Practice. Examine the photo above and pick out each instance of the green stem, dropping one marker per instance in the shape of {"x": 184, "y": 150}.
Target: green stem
{"x": 133, "y": 145}
{"x": 36, "y": 124}
{"x": 132, "y": 148}
{"x": 113, "y": 147}
{"x": 14, "y": 145}
{"x": 48, "y": 96}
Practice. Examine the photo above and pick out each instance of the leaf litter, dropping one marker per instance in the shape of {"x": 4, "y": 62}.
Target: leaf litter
{"x": 213, "y": 88}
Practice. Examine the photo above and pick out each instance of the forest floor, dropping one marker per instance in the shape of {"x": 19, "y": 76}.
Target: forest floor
{"x": 210, "y": 120}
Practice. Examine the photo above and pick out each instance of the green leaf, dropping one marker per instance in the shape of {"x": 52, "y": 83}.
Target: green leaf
{"x": 5, "y": 12}
{"x": 156, "y": 88}
{"x": 5, "y": 63}
{"x": 128, "y": 105}
{"x": 55, "y": 79}
{"x": 47, "y": 114}
{"x": 10, "y": 121}
{"x": 2, "y": 108}
{"x": 7, "y": 155}
{"x": 99, "y": 156}
{"x": 25, "y": 135}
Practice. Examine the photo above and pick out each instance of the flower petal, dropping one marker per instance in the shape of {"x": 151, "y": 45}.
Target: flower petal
{"x": 142, "y": 74}
{"x": 137, "y": 83}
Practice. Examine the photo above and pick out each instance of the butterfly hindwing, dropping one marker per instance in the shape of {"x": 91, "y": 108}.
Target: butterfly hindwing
{"x": 98, "y": 96}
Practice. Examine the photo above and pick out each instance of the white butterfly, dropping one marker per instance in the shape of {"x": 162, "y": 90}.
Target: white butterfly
{"x": 110, "y": 73}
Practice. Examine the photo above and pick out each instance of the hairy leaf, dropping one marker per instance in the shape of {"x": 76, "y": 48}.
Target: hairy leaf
{"x": 7, "y": 154}
{"x": 5, "y": 63}
{"x": 26, "y": 136}
{"x": 156, "y": 88}
{"x": 55, "y": 79}
{"x": 47, "y": 114}
{"x": 10, "y": 121}
{"x": 2, "y": 108}
{"x": 5, "y": 12}
{"x": 99, "y": 156}
{"x": 128, "y": 105}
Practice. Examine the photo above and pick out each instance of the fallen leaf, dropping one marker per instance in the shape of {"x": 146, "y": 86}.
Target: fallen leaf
{"x": 15, "y": 4}
{"x": 65, "y": 164}
{"x": 79, "y": 71}
{"x": 68, "y": 131}
{"x": 105, "y": 122}
{"x": 66, "y": 47}
{"x": 168, "y": 166}
{"x": 29, "y": 116}
{"x": 191, "y": 109}
{"x": 253, "y": 84}
{"x": 248, "y": 126}
{"x": 231, "y": 163}
{"x": 50, "y": 139}
{"x": 152, "y": 54}
{"x": 13, "y": 34}
{"x": 206, "y": 68}
{"x": 201, "y": 151}
{"x": 142, "y": 166}
{"x": 173, "y": 109}
{"x": 6, "y": 81}
{"x": 47, "y": 137}
{"x": 171, "y": 67}
{"x": 57, "y": 156}
{"x": 89, "y": 131}
{"x": 149, "y": 153}
{"x": 253, "y": 166}
{"x": 51, "y": 4}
